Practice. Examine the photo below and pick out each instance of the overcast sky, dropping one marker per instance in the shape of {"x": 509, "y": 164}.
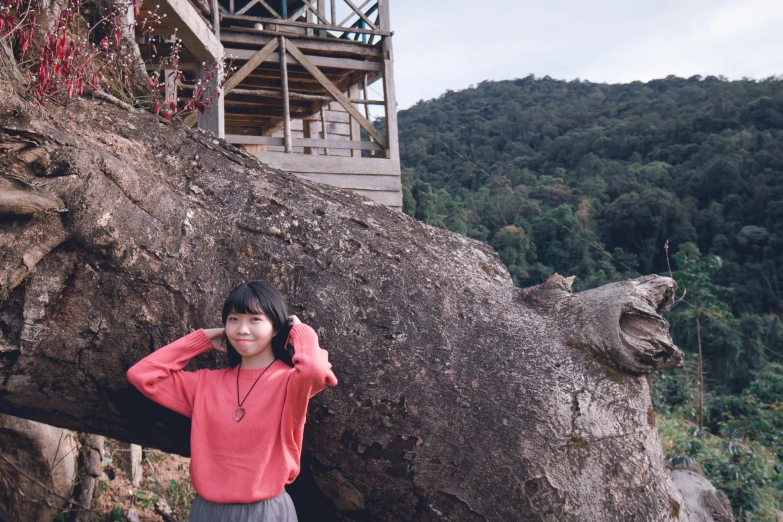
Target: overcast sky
{"x": 441, "y": 44}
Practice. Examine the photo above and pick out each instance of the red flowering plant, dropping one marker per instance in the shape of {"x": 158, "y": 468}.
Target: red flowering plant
{"x": 75, "y": 52}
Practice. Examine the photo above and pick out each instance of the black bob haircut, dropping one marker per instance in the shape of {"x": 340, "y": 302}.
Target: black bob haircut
{"x": 259, "y": 297}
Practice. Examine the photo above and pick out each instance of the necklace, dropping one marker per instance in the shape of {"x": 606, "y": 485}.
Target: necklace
{"x": 239, "y": 412}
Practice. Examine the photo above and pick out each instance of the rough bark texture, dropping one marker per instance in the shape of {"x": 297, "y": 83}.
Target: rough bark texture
{"x": 461, "y": 397}
{"x": 39, "y": 460}
{"x": 90, "y": 458}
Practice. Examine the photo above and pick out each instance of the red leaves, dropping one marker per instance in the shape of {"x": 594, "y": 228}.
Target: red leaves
{"x": 63, "y": 64}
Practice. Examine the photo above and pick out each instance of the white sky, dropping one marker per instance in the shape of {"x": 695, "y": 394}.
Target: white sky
{"x": 441, "y": 44}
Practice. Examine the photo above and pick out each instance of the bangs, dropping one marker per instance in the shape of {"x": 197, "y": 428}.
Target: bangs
{"x": 242, "y": 301}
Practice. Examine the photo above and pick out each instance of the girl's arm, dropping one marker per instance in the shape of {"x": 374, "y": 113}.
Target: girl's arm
{"x": 312, "y": 370}
{"x": 311, "y": 373}
{"x": 160, "y": 375}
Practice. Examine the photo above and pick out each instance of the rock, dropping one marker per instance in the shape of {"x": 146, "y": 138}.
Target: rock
{"x": 162, "y": 506}
{"x": 705, "y": 503}
{"x": 132, "y": 516}
{"x": 342, "y": 493}
{"x": 461, "y": 397}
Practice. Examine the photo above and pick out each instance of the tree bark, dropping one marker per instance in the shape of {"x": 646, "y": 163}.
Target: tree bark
{"x": 461, "y": 397}
{"x": 89, "y": 473}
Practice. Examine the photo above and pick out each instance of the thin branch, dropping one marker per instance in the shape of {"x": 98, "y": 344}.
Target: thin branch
{"x": 105, "y": 96}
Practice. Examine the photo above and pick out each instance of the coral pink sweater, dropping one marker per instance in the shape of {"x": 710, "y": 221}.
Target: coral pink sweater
{"x": 250, "y": 460}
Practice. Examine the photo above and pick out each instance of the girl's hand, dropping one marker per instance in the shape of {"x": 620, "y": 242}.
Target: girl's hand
{"x": 293, "y": 320}
{"x": 216, "y": 335}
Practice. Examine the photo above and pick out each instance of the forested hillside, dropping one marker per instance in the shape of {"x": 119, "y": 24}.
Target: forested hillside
{"x": 596, "y": 181}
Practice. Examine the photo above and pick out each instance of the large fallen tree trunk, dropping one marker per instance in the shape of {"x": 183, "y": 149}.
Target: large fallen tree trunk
{"x": 461, "y": 397}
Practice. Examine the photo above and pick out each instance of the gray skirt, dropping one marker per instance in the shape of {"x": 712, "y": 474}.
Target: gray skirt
{"x": 275, "y": 509}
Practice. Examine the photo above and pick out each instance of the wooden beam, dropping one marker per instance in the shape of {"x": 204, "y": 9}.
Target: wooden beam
{"x": 307, "y": 133}
{"x": 215, "y": 18}
{"x": 245, "y": 35}
{"x": 305, "y": 25}
{"x": 265, "y": 102}
{"x": 271, "y": 127}
{"x": 320, "y": 61}
{"x": 316, "y": 12}
{"x": 256, "y": 114}
{"x": 372, "y": 36}
{"x": 251, "y": 64}
{"x": 339, "y": 96}
{"x": 195, "y": 33}
{"x": 342, "y": 23}
{"x": 269, "y": 8}
{"x": 302, "y": 142}
{"x": 286, "y": 107}
{"x": 247, "y": 7}
{"x": 298, "y": 96}
{"x": 321, "y": 7}
{"x": 361, "y": 14}
{"x": 358, "y": 181}
{"x": 355, "y": 128}
{"x": 278, "y": 94}
{"x": 323, "y": 119}
{"x": 330, "y": 164}
{"x": 366, "y": 105}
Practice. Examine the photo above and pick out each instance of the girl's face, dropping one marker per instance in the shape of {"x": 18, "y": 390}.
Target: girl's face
{"x": 250, "y": 334}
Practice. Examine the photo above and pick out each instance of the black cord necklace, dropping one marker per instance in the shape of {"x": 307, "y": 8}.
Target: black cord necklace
{"x": 239, "y": 412}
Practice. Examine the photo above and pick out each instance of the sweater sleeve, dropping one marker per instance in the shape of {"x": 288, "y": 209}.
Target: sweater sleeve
{"x": 160, "y": 375}
{"x": 312, "y": 370}
{"x": 311, "y": 373}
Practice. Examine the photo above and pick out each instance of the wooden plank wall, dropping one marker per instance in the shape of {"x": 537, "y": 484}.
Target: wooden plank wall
{"x": 378, "y": 180}
{"x": 337, "y": 128}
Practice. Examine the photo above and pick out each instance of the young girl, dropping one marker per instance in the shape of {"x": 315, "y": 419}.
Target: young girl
{"x": 248, "y": 419}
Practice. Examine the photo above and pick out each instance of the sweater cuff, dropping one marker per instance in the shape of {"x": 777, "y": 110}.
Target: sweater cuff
{"x": 198, "y": 341}
{"x": 301, "y": 330}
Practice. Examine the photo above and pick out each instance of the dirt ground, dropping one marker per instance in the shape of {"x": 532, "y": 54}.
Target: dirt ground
{"x": 166, "y": 481}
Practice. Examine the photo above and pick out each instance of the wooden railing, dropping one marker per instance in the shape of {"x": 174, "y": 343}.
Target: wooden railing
{"x": 363, "y": 21}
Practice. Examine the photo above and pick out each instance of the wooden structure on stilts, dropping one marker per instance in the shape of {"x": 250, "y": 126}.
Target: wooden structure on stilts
{"x": 301, "y": 98}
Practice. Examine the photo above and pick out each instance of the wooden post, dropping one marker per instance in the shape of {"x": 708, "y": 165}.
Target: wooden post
{"x": 392, "y": 138}
{"x": 323, "y": 128}
{"x": 322, "y": 9}
{"x": 213, "y": 119}
{"x": 215, "y": 18}
{"x": 171, "y": 85}
{"x": 356, "y": 133}
{"x": 309, "y": 19}
{"x": 286, "y": 106}
{"x": 309, "y": 130}
{"x": 366, "y": 97}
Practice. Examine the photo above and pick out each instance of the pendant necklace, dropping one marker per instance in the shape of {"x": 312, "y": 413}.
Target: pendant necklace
{"x": 239, "y": 412}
